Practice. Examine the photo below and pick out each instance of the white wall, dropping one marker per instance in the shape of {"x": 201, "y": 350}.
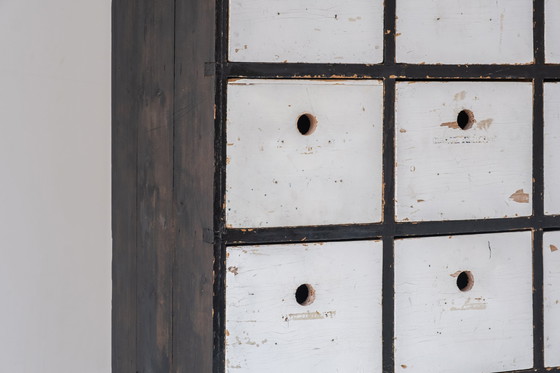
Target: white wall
{"x": 55, "y": 242}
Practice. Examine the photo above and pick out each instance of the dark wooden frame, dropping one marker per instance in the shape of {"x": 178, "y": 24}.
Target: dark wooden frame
{"x": 170, "y": 74}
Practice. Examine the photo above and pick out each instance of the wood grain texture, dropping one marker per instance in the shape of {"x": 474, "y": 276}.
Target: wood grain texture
{"x": 124, "y": 178}
{"x": 155, "y": 187}
{"x": 193, "y": 186}
{"x": 162, "y": 179}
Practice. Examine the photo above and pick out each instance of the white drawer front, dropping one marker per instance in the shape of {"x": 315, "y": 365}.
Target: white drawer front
{"x": 313, "y": 31}
{"x": 267, "y": 330}
{"x": 439, "y": 328}
{"x": 552, "y": 148}
{"x": 551, "y": 270}
{"x": 445, "y": 172}
{"x": 276, "y": 176}
{"x": 464, "y": 32}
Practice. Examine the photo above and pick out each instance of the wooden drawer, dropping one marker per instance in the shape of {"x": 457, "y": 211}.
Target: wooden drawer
{"x": 551, "y": 148}
{"x": 331, "y": 174}
{"x": 551, "y": 273}
{"x": 314, "y": 31}
{"x": 304, "y": 308}
{"x": 464, "y": 32}
{"x": 485, "y": 327}
{"x": 446, "y": 172}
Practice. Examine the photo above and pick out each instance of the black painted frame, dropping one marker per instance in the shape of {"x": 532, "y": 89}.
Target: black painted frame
{"x": 389, "y": 71}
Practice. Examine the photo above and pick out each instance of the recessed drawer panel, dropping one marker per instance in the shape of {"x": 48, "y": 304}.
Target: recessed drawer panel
{"x": 463, "y": 150}
{"x": 464, "y": 32}
{"x": 304, "y": 308}
{"x": 552, "y": 148}
{"x": 303, "y": 152}
{"x": 551, "y": 257}
{"x": 313, "y": 31}
{"x": 464, "y": 303}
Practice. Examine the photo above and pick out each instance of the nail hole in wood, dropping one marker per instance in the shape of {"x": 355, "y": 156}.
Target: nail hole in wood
{"x": 465, "y": 119}
{"x": 465, "y": 281}
{"x": 306, "y": 124}
{"x": 305, "y": 294}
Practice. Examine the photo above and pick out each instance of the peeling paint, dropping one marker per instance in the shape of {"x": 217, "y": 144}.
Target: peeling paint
{"x": 485, "y": 124}
{"x": 453, "y": 125}
{"x": 553, "y": 248}
{"x": 520, "y": 196}
{"x": 309, "y": 316}
{"x": 469, "y": 305}
{"x": 460, "y": 96}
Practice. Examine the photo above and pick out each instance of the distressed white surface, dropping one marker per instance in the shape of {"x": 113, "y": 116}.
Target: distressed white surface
{"x": 552, "y": 148}
{"x": 460, "y": 32}
{"x": 552, "y": 31}
{"x": 439, "y": 328}
{"x": 278, "y": 177}
{"x": 446, "y": 173}
{"x": 551, "y": 271}
{"x": 317, "y": 31}
{"x": 268, "y": 331}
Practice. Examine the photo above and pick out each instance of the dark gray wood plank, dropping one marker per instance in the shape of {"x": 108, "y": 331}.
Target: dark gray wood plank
{"x": 124, "y": 166}
{"x": 155, "y": 187}
{"x": 143, "y": 79}
{"x": 194, "y": 186}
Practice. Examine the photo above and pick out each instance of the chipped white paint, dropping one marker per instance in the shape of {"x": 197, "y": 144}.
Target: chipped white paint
{"x": 439, "y": 328}
{"x": 445, "y": 172}
{"x": 551, "y": 272}
{"x": 320, "y": 31}
{"x": 551, "y": 148}
{"x": 461, "y": 32}
{"x": 278, "y": 177}
{"x": 268, "y": 331}
{"x": 552, "y": 31}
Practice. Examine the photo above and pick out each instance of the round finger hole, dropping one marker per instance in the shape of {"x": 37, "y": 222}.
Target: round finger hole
{"x": 465, "y": 281}
{"x": 305, "y": 294}
{"x": 306, "y": 124}
{"x": 465, "y": 119}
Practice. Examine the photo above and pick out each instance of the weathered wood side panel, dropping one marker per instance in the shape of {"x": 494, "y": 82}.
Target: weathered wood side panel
{"x": 142, "y": 185}
{"x": 487, "y": 328}
{"x": 277, "y": 176}
{"x": 124, "y": 182}
{"x": 155, "y": 186}
{"x": 551, "y": 148}
{"x": 194, "y": 186}
{"x": 316, "y": 31}
{"x": 143, "y": 215}
{"x": 552, "y": 30}
{"x": 551, "y": 273}
{"x": 445, "y": 172}
{"x": 334, "y": 327}
{"x": 464, "y": 32}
